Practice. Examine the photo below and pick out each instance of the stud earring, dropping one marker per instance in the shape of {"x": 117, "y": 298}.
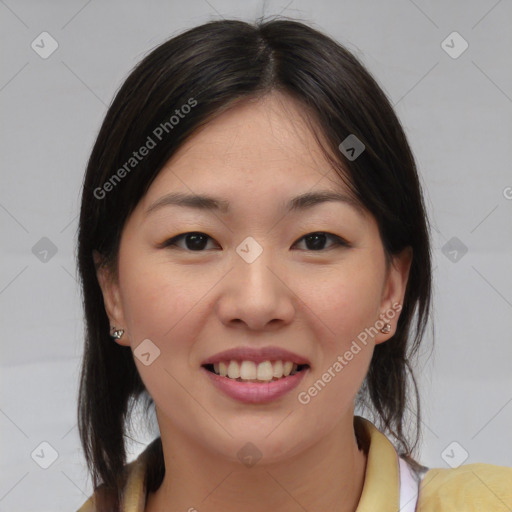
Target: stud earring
{"x": 386, "y": 329}
{"x": 116, "y": 333}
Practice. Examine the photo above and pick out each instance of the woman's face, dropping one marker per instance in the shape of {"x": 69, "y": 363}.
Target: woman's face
{"x": 261, "y": 275}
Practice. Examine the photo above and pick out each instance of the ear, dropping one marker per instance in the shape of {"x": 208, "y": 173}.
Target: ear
{"x": 111, "y": 297}
{"x": 393, "y": 291}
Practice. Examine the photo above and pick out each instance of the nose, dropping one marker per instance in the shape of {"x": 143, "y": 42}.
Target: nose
{"x": 256, "y": 296}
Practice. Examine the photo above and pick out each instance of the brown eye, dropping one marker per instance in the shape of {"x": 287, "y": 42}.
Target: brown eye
{"x": 316, "y": 241}
{"x": 197, "y": 241}
{"x": 194, "y": 241}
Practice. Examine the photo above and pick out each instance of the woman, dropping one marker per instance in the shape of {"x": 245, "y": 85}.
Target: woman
{"x": 255, "y": 262}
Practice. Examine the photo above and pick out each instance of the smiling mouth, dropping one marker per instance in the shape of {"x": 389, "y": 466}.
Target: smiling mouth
{"x": 249, "y": 371}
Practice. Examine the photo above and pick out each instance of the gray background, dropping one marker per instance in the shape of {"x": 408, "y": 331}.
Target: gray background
{"x": 456, "y": 112}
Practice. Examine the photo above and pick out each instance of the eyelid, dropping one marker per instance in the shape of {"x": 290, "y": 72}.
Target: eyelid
{"x": 337, "y": 240}
{"x": 171, "y": 242}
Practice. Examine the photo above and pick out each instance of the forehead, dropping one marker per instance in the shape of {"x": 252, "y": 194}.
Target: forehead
{"x": 258, "y": 147}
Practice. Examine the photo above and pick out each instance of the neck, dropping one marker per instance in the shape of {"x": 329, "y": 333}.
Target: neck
{"x": 329, "y": 475}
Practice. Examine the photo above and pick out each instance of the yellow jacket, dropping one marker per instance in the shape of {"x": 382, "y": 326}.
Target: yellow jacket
{"x": 468, "y": 488}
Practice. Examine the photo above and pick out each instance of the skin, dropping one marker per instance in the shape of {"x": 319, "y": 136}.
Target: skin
{"x": 193, "y": 304}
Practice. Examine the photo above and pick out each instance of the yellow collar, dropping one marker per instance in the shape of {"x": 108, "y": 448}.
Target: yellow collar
{"x": 380, "y": 489}
{"x": 381, "y": 484}
{"x": 442, "y": 489}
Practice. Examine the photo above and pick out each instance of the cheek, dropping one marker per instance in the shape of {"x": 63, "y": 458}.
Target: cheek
{"x": 158, "y": 301}
{"x": 344, "y": 300}
{"x": 168, "y": 305}
{"x": 341, "y": 304}
{"x": 163, "y": 306}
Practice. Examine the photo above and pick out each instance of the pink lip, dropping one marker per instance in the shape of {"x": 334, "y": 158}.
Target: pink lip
{"x": 254, "y": 392}
{"x": 258, "y": 355}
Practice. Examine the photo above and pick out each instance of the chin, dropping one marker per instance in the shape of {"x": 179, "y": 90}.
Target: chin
{"x": 261, "y": 446}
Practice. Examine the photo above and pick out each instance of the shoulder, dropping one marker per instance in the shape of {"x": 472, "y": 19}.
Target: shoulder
{"x": 472, "y": 487}
{"x": 106, "y": 499}
{"x": 133, "y": 491}
{"x": 102, "y": 499}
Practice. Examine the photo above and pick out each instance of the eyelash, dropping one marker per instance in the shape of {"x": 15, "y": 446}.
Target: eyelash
{"x": 171, "y": 242}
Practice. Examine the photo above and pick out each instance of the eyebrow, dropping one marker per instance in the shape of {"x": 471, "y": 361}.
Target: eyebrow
{"x": 209, "y": 203}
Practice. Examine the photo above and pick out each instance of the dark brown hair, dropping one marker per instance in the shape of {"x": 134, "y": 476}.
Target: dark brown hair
{"x": 216, "y": 65}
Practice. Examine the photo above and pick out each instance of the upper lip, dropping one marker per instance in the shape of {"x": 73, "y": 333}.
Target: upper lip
{"x": 257, "y": 355}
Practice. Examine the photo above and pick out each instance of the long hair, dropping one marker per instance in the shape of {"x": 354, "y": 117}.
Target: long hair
{"x": 210, "y": 68}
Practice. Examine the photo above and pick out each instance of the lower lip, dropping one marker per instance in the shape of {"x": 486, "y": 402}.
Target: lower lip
{"x": 254, "y": 392}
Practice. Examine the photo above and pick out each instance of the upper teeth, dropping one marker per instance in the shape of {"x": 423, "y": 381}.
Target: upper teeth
{"x": 249, "y": 370}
